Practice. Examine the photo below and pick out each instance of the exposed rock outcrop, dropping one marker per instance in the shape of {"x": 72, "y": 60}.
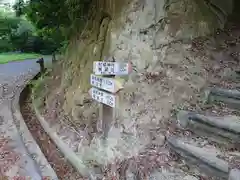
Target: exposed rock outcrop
{"x": 153, "y": 36}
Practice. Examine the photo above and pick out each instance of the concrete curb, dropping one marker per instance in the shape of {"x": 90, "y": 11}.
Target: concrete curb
{"x": 30, "y": 143}
{"x": 229, "y": 97}
{"x": 226, "y": 127}
{"x": 68, "y": 153}
{"x": 210, "y": 164}
{"x": 234, "y": 94}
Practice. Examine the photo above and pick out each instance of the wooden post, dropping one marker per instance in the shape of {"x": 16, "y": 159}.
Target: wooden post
{"x": 54, "y": 58}
{"x": 105, "y": 89}
{"x": 107, "y": 114}
{"x": 41, "y": 63}
{"x": 107, "y": 119}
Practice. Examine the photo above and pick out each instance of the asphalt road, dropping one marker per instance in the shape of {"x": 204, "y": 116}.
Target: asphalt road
{"x": 19, "y": 68}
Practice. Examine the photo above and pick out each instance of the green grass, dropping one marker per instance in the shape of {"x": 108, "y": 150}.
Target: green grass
{"x": 5, "y": 57}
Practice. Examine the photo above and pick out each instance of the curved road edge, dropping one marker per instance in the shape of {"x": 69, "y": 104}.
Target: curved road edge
{"x": 67, "y": 151}
{"x": 28, "y": 140}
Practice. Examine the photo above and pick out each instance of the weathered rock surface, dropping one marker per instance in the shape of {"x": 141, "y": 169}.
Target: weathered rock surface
{"x": 166, "y": 75}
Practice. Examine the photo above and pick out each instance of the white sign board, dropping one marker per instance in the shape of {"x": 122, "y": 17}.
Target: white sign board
{"x": 111, "y": 68}
{"x": 107, "y": 84}
{"x": 103, "y": 97}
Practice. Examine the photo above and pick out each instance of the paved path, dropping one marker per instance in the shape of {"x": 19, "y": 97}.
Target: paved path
{"x": 16, "y": 143}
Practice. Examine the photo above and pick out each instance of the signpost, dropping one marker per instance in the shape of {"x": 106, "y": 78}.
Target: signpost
{"x": 107, "y": 84}
{"x": 103, "y": 97}
{"x": 106, "y": 87}
{"x": 111, "y": 68}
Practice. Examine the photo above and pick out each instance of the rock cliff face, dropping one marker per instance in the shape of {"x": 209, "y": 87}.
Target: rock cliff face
{"x": 153, "y": 35}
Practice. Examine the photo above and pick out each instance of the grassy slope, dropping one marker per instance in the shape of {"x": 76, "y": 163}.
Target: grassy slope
{"x": 5, "y": 57}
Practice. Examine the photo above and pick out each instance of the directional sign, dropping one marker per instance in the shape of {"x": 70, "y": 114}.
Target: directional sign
{"x": 103, "y": 97}
{"x": 107, "y": 84}
{"x": 111, "y": 68}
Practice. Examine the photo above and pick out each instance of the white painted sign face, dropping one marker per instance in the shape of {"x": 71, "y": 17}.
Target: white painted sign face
{"x": 103, "y": 97}
{"x": 111, "y": 68}
{"x": 107, "y": 84}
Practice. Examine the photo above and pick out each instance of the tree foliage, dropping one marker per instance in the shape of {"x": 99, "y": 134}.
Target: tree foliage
{"x": 55, "y": 21}
{"x": 19, "y": 34}
{"x": 8, "y": 24}
{"x": 19, "y": 7}
{"x": 64, "y": 16}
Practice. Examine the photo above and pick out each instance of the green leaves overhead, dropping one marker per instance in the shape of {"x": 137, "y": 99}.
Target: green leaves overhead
{"x": 7, "y": 24}
{"x": 19, "y": 7}
{"x": 57, "y": 13}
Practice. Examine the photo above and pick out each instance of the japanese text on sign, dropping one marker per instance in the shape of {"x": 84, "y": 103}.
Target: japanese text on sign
{"x": 103, "y": 97}
{"x": 111, "y": 68}
{"x": 107, "y": 84}
{"x": 103, "y": 83}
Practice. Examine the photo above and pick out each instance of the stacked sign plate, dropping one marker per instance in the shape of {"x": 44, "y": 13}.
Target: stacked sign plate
{"x": 105, "y": 88}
